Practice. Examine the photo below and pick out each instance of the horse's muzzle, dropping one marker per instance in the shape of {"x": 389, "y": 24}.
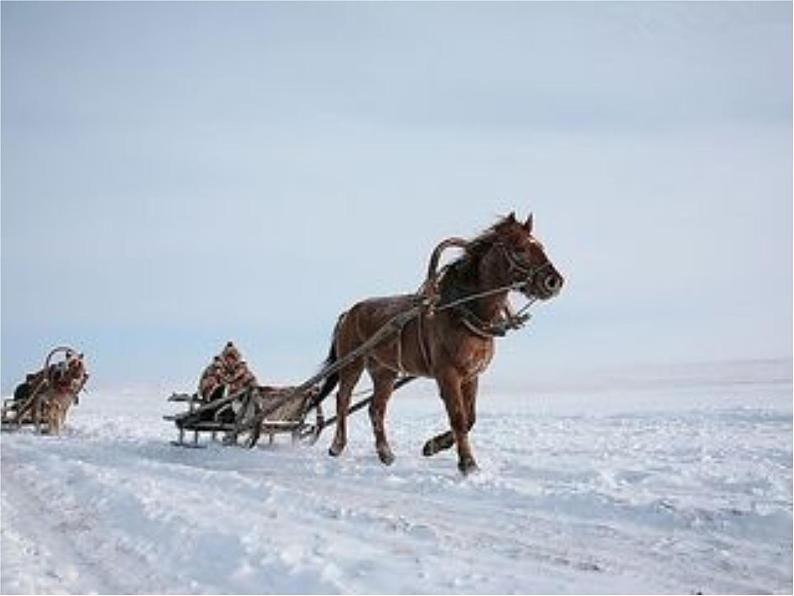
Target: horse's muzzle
{"x": 552, "y": 283}
{"x": 545, "y": 287}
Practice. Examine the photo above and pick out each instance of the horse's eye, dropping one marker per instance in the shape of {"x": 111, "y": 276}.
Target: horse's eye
{"x": 523, "y": 259}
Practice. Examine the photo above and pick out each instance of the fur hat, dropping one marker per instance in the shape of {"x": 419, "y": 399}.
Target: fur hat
{"x": 230, "y": 352}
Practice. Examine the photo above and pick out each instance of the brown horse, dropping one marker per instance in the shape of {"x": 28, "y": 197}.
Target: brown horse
{"x": 453, "y": 345}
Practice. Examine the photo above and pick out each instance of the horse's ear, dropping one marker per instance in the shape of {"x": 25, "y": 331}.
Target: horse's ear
{"x": 511, "y": 218}
{"x": 528, "y": 223}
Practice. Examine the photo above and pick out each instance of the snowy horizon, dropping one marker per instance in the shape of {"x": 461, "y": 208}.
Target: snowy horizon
{"x": 594, "y": 381}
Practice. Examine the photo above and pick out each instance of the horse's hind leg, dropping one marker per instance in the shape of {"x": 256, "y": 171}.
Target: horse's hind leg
{"x": 438, "y": 443}
{"x": 383, "y": 380}
{"x": 348, "y": 377}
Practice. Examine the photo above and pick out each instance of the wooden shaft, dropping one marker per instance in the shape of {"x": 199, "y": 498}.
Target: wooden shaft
{"x": 360, "y": 404}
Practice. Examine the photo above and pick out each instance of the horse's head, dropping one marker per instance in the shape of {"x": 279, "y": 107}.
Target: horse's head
{"x": 515, "y": 256}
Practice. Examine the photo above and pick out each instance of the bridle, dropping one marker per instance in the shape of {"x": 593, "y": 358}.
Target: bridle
{"x": 524, "y": 281}
{"x": 527, "y": 273}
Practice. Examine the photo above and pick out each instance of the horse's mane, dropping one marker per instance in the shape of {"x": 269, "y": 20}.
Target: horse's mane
{"x": 464, "y": 268}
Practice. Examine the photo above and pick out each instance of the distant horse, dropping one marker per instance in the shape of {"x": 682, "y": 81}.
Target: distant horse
{"x": 46, "y": 395}
{"x": 452, "y": 345}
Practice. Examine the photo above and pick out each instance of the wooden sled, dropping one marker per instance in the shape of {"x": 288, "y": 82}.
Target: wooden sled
{"x": 34, "y": 399}
{"x": 232, "y": 415}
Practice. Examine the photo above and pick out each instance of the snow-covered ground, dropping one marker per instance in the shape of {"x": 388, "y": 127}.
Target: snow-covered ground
{"x": 679, "y": 481}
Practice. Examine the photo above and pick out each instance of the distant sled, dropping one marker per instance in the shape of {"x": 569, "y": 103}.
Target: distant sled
{"x": 43, "y": 400}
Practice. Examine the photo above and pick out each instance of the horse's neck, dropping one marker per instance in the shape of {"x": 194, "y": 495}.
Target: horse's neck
{"x": 466, "y": 280}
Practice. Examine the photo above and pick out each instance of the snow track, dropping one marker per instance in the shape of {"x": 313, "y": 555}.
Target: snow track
{"x": 685, "y": 490}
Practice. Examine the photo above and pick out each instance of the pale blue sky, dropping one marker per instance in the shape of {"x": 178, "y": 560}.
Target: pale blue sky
{"x": 175, "y": 175}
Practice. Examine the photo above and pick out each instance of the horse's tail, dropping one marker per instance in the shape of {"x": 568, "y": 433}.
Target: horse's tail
{"x": 331, "y": 380}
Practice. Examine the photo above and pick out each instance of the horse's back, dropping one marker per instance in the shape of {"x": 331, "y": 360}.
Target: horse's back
{"x": 372, "y": 313}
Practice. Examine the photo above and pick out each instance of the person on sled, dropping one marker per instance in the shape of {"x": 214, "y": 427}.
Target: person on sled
{"x": 227, "y": 372}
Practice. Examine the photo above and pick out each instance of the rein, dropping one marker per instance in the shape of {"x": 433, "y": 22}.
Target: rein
{"x": 483, "y": 294}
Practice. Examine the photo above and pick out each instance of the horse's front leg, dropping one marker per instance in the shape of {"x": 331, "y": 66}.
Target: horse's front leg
{"x": 445, "y": 440}
{"x": 451, "y": 386}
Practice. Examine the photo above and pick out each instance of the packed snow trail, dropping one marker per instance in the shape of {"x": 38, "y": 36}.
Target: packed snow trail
{"x": 670, "y": 488}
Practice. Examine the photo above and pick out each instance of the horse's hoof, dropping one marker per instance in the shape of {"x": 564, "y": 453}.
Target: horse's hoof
{"x": 467, "y": 466}
{"x": 335, "y": 451}
{"x": 429, "y": 449}
{"x": 386, "y": 457}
